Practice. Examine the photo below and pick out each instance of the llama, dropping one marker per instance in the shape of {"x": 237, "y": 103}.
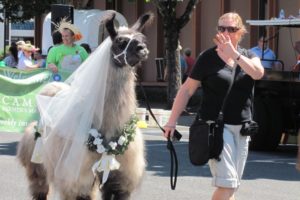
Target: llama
{"x": 123, "y": 50}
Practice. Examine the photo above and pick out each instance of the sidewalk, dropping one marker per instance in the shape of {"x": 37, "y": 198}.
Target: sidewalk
{"x": 184, "y": 121}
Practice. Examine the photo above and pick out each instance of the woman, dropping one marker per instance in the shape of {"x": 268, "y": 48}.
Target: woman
{"x": 213, "y": 70}
{"x": 63, "y": 59}
{"x": 26, "y": 61}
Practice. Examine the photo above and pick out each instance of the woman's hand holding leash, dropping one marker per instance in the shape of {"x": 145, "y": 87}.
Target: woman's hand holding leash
{"x": 171, "y": 132}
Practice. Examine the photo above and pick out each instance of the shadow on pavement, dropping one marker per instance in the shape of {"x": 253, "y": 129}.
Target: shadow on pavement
{"x": 260, "y": 165}
{"x": 9, "y": 149}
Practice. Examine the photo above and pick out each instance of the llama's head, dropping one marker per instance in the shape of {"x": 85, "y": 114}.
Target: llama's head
{"x": 128, "y": 44}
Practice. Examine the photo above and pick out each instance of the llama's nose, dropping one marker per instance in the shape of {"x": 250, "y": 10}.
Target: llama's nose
{"x": 144, "y": 53}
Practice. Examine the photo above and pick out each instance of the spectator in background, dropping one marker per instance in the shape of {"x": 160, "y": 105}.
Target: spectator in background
{"x": 183, "y": 65}
{"x": 38, "y": 58}
{"x": 65, "y": 58}
{"x": 189, "y": 61}
{"x": 25, "y": 61}
{"x": 56, "y": 39}
{"x": 12, "y": 59}
{"x": 87, "y": 47}
{"x": 19, "y": 44}
{"x": 268, "y": 54}
{"x": 296, "y": 67}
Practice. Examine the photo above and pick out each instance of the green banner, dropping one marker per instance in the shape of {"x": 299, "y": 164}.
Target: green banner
{"x": 17, "y": 97}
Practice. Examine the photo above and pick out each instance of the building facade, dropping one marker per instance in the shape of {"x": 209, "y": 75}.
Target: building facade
{"x": 200, "y": 30}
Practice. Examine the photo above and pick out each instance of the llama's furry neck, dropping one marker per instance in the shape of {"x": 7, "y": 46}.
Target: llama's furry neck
{"x": 120, "y": 100}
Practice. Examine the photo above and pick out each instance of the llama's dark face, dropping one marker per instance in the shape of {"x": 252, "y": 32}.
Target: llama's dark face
{"x": 128, "y": 45}
{"x": 129, "y": 49}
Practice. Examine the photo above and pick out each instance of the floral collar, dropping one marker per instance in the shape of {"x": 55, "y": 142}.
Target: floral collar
{"x": 118, "y": 145}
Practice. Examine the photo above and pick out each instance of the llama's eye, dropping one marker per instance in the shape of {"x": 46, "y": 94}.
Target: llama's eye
{"x": 121, "y": 42}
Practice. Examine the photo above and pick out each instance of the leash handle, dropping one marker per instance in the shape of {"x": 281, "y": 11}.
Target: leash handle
{"x": 170, "y": 146}
{"x": 174, "y": 164}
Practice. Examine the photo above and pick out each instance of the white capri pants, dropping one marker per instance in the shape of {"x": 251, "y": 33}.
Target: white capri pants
{"x": 228, "y": 172}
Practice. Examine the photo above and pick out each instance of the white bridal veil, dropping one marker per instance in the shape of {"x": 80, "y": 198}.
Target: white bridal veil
{"x": 67, "y": 117}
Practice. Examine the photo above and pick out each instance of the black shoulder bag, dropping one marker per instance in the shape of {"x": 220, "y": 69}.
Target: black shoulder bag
{"x": 206, "y": 137}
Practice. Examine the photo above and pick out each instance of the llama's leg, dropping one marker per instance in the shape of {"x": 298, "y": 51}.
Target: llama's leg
{"x": 121, "y": 183}
{"x": 83, "y": 198}
{"x": 39, "y": 187}
{"x": 36, "y": 173}
{"x": 114, "y": 188}
{"x": 72, "y": 195}
{"x": 40, "y": 196}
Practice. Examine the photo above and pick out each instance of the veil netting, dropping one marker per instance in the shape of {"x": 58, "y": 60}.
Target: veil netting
{"x": 67, "y": 117}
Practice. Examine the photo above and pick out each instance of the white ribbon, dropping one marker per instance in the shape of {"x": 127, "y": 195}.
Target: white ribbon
{"x": 37, "y": 155}
{"x": 105, "y": 165}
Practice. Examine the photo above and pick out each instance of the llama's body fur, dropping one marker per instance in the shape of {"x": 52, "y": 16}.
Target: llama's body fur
{"x": 119, "y": 106}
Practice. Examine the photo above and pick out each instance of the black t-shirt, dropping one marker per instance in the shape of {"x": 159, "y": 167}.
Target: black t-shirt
{"x": 215, "y": 77}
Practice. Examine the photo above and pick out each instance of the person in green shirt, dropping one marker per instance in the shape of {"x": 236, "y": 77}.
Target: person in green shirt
{"x": 64, "y": 59}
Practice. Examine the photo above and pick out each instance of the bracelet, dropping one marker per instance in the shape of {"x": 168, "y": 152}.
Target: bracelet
{"x": 238, "y": 58}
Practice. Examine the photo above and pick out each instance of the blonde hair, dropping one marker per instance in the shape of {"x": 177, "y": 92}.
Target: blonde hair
{"x": 236, "y": 18}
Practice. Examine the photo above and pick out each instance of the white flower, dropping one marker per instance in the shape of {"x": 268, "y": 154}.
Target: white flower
{"x": 113, "y": 145}
{"x": 121, "y": 140}
{"x": 93, "y": 132}
{"x": 100, "y": 148}
{"x": 97, "y": 141}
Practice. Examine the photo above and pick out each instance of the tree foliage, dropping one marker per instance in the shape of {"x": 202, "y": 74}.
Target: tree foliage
{"x": 32, "y": 8}
{"x": 29, "y": 9}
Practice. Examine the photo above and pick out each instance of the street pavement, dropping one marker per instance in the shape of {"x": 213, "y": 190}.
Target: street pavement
{"x": 268, "y": 175}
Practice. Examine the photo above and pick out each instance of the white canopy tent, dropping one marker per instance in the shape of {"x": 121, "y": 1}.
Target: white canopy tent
{"x": 88, "y": 22}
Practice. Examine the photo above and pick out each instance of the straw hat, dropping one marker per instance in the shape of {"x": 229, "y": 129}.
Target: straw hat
{"x": 20, "y": 43}
{"x": 64, "y": 24}
{"x": 29, "y": 47}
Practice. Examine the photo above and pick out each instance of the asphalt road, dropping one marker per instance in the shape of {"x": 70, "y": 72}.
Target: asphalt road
{"x": 268, "y": 175}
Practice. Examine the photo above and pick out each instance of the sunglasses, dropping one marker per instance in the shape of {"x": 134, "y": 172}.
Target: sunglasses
{"x": 230, "y": 29}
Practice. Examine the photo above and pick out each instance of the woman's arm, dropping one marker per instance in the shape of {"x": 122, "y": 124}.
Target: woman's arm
{"x": 252, "y": 66}
{"x": 184, "y": 94}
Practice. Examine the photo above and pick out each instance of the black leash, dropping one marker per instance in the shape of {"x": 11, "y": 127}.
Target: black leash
{"x": 170, "y": 146}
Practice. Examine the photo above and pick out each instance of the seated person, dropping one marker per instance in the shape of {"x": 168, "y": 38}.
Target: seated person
{"x": 11, "y": 60}
{"x": 25, "y": 61}
{"x": 38, "y": 58}
{"x": 268, "y": 54}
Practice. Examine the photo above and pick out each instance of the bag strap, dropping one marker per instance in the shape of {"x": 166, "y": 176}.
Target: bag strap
{"x": 221, "y": 113}
{"x": 252, "y": 103}
{"x": 170, "y": 146}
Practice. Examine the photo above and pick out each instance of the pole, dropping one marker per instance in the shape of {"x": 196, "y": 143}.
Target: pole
{"x": 4, "y": 32}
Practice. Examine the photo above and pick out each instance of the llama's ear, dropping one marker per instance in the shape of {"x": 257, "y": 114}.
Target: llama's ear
{"x": 109, "y": 24}
{"x": 143, "y": 21}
